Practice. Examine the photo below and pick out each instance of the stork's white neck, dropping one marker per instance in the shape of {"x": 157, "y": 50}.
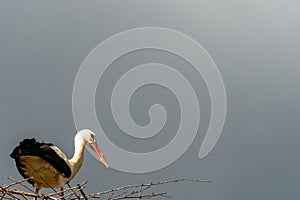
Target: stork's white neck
{"x": 77, "y": 159}
{"x": 79, "y": 148}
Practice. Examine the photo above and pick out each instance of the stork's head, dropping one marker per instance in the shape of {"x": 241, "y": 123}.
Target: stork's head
{"x": 89, "y": 137}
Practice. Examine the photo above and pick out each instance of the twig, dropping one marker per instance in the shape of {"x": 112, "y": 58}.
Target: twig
{"x": 21, "y": 183}
{"x": 81, "y": 191}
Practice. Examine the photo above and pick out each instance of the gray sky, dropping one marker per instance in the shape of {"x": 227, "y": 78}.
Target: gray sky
{"x": 255, "y": 45}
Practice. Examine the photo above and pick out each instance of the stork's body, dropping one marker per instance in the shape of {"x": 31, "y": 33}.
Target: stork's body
{"x": 46, "y": 165}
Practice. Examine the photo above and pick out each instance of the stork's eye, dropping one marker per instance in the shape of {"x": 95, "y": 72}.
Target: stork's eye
{"x": 93, "y": 136}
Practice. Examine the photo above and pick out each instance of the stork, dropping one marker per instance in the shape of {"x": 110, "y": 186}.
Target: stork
{"x": 46, "y": 166}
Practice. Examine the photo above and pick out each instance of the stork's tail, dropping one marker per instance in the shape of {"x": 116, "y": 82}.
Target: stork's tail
{"x": 26, "y": 144}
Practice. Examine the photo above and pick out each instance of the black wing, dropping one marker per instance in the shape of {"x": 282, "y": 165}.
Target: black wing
{"x": 30, "y": 147}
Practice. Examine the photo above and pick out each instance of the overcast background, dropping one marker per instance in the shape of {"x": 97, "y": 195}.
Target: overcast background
{"x": 254, "y": 43}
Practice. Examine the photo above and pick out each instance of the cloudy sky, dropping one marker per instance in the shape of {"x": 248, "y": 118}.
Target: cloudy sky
{"x": 255, "y": 45}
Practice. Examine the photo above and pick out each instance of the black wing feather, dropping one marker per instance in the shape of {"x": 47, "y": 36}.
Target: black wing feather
{"x": 30, "y": 147}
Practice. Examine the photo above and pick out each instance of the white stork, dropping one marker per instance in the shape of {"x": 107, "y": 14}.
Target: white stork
{"x": 46, "y": 166}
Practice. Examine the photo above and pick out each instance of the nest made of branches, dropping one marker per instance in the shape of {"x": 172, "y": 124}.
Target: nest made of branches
{"x": 19, "y": 189}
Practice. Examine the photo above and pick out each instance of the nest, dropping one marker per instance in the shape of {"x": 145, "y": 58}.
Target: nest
{"x": 18, "y": 189}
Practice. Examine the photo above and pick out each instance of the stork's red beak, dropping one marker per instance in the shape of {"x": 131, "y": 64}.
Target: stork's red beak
{"x": 99, "y": 154}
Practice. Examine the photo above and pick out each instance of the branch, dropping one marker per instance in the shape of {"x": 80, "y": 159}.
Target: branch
{"x": 19, "y": 190}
